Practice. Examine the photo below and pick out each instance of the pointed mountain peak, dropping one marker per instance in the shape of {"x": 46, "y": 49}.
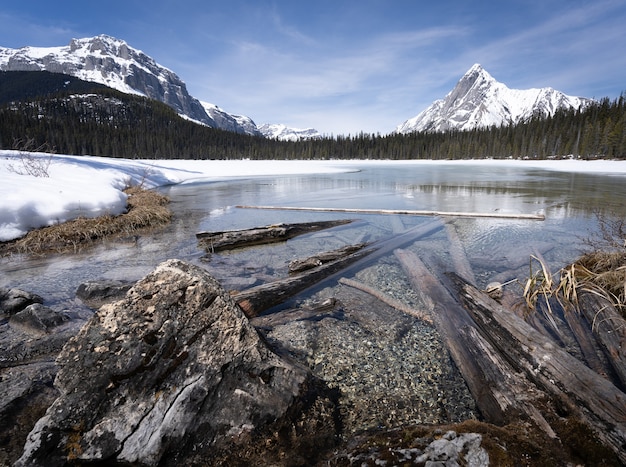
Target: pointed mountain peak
{"x": 476, "y": 73}
{"x": 478, "y": 101}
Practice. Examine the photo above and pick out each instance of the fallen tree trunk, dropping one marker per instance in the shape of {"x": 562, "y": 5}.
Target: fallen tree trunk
{"x": 568, "y": 382}
{"x": 609, "y": 329}
{"x": 299, "y": 265}
{"x": 513, "y": 371}
{"x": 230, "y": 239}
{"x": 392, "y": 302}
{"x": 255, "y": 300}
{"x": 500, "y": 215}
{"x": 501, "y": 393}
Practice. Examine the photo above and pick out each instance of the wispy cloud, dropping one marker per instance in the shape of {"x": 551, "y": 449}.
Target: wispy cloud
{"x": 348, "y": 66}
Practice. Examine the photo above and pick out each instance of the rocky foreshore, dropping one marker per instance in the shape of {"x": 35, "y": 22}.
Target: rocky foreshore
{"x": 171, "y": 372}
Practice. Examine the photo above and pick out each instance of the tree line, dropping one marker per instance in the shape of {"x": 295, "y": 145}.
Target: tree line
{"x": 105, "y": 122}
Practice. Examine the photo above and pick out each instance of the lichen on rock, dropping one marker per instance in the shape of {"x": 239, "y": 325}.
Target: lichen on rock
{"x": 171, "y": 371}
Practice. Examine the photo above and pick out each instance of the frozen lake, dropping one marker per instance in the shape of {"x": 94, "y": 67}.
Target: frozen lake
{"x": 496, "y": 248}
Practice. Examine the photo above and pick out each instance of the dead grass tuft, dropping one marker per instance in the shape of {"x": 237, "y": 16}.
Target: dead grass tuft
{"x": 600, "y": 273}
{"x": 146, "y": 209}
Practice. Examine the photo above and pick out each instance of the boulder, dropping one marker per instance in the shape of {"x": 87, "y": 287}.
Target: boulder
{"x": 37, "y": 320}
{"x": 96, "y": 293}
{"x": 174, "y": 374}
{"x": 14, "y": 300}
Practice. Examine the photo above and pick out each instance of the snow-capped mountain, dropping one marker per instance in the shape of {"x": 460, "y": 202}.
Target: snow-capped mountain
{"x": 284, "y": 133}
{"x": 110, "y": 61}
{"x": 230, "y": 122}
{"x": 478, "y": 100}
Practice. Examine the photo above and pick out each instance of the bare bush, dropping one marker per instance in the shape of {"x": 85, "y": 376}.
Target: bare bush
{"x": 31, "y": 164}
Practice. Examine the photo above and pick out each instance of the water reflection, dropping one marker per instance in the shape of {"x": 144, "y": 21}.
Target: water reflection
{"x": 569, "y": 201}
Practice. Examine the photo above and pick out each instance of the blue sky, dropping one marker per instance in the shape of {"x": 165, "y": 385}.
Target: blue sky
{"x": 344, "y": 67}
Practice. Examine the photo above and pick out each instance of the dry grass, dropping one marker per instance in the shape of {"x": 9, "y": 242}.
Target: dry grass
{"x": 145, "y": 209}
{"x": 601, "y": 273}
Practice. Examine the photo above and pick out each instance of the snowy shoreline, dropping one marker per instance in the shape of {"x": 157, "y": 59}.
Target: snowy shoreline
{"x": 91, "y": 186}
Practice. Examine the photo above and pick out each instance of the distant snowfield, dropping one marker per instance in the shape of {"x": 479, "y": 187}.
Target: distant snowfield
{"x": 93, "y": 186}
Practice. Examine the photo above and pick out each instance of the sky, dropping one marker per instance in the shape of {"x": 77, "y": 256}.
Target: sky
{"x": 345, "y": 67}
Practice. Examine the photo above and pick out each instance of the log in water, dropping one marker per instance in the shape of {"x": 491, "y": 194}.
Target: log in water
{"x": 499, "y": 215}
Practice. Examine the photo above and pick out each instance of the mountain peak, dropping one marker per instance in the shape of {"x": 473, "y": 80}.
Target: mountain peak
{"x": 106, "y": 45}
{"x": 479, "y": 101}
{"x": 475, "y": 73}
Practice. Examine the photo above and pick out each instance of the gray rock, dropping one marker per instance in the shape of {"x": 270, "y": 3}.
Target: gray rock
{"x": 37, "y": 319}
{"x": 14, "y": 300}
{"x": 97, "y": 293}
{"x": 174, "y": 374}
{"x": 452, "y": 450}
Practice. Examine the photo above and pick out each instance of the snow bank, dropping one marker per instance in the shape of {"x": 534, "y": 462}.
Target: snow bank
{"x": 93, "y": 186}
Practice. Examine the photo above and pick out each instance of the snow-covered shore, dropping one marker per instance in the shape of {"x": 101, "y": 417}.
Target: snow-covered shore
{"x": 92, "y": 186}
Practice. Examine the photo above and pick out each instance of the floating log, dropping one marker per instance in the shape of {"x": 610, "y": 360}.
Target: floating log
{"x": 299, "y": 265}
{"x": 230, "y": 239}
{"x": 392, "y": 302}
{"x": 499, "y": 215}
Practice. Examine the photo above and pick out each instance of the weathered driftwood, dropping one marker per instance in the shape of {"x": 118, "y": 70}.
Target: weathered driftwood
{"x": 609, "y": 328}
{"x": 230, "y": 239}
{"x": 299, "y": 265}
{"x": 501, "y": 394}
{"x": 514, "y": 371}
{"x": 255, "y": 300}
{"x": 409, "y": 212}
{"x": 392, "y": 302}
{"x": 570, "y": 384}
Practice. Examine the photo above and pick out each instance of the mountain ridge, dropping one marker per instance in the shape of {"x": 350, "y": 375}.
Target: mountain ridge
{"x": 479, "y": 101}
{"x": 110, "y": 61}
{"x": 284, "y": 133}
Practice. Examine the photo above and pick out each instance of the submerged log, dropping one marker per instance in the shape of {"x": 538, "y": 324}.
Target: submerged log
{"x": 501, "y": 393}
{"x": 230, "y": 239}
{"x": 515, "y": 372}
{"x": 299, "y": 265}
{"x": 255, "y": 300}
{"x": 392, "y": 302}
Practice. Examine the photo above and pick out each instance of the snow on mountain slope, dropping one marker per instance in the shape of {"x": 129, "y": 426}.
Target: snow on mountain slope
{"x": 478, "y": 100}
{"x": 110, "y": 61}
{"x": 231, "y": 122}
{"x": 284, "y": 133}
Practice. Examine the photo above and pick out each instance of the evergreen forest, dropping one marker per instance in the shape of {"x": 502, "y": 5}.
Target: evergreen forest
{"x": 69, "y": 116}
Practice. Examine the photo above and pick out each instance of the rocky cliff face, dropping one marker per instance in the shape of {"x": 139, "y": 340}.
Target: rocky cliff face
{"x": 104, "y": 59}
{"x": 285, "y": 133}
{"x": 229, "y": 122}
{"x": 173, "y": 374}
{"x": 478, "y": 100}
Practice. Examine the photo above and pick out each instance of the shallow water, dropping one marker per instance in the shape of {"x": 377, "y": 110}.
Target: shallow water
{"x": 390, "y": 368}
{"x": 568, "y": 200}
